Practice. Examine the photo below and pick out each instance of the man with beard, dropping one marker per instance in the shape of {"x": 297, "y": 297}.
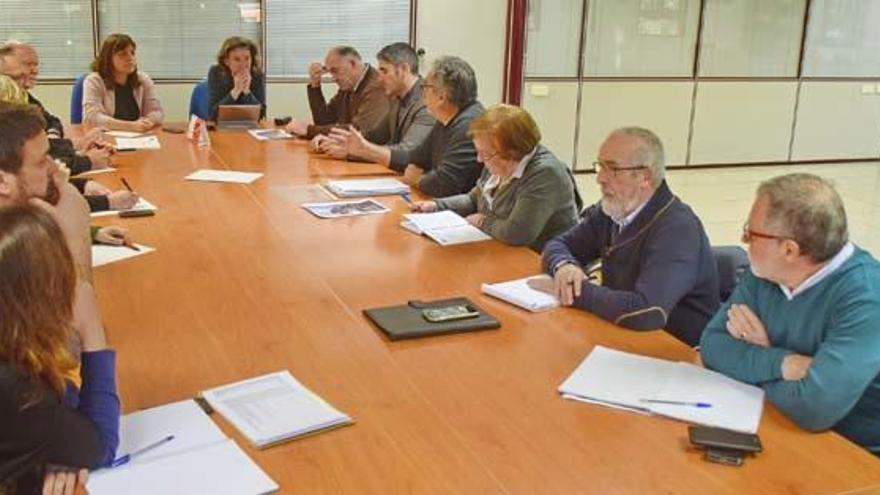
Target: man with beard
{"x": 28, "y": 171}
{"x": 657, "y": 268}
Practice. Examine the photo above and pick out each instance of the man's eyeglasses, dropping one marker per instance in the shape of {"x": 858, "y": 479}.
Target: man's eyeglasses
{"x": 609, "y": 167}
{"x": 748, "y": 235}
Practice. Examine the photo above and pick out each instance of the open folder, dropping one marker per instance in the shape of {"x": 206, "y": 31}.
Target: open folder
{"x": 675, "y": 389}
{"x": 446, "y": 227}
{"x": 198, "y": 459}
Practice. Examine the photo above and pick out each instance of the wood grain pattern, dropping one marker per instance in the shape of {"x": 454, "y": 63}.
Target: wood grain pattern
{"x": 244, "y": 282}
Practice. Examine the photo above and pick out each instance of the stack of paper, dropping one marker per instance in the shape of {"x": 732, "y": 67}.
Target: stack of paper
{"x": 273, "y": 408}
{"x": 141, "y": 205}
{"x": 198, "y": 459}
{"x": 138, "y": 143}
{"x": 103, "y": 254}
{"x": 367, "y": 187}
{"x": 518, "y": 293}
{"x": 211, "y": 175}
{"x": 654, "y": 386}
{"x": 446, "y": 227}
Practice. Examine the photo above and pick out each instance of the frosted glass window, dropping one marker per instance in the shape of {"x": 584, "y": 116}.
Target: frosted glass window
{"x": 641, "y": 38}
{"x": 552, "y": 37}
{"x": 300, "y": 32}
{"x": 61, "y": 31}
{"x": 751, "y": 38}
{"x": 843, "y": 39}
{"x": 178, "y": 39}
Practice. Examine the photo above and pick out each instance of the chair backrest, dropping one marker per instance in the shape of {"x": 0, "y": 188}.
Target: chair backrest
{"x": 76, "y": 101}
{"x": 732, "y": 262}
{"x": 198, "y": 101}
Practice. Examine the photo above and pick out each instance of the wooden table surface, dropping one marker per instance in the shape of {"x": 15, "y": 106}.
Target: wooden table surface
{"x": 245, "y": 282}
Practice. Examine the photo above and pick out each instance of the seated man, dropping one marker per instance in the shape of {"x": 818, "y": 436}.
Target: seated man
{"x": 408, "y": 122}
{"x": 804, "y": 323}
{"x": 360, "y": 100}
{"x": 445, "y": 164}
{"x": 28, "y": 172}
{"x": 657, "y": 266}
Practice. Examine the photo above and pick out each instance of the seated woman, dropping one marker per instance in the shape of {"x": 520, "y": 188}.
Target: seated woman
{"x": 525, "y": 195}
{"x": 236, "y": 79}
{"x": 116, "y": 95}
{"x": 45, "y": 421}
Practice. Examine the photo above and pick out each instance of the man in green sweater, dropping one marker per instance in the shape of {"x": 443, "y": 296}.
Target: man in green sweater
{"x": 804, "y": 324}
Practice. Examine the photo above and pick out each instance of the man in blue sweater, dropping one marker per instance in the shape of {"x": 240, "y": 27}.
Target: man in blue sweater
{"x": 804, "y": 324}
{"x": 657, "y": 266}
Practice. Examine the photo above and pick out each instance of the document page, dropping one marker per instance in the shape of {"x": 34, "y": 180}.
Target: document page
{"x": 103, "y": 254}
{"x": 211, "y": 175}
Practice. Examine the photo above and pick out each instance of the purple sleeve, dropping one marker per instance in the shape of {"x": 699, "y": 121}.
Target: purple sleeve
{"x": 98, "y": 400}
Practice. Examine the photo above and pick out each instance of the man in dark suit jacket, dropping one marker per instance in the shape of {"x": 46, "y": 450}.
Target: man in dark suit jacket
{"x": 360, "y": 101}
{"x": 408, "y": 122}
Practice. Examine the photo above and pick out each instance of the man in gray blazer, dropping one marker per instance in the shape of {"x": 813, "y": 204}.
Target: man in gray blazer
{"x": 407, "y": 123}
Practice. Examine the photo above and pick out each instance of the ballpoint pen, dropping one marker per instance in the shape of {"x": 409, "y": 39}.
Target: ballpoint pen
{"x": 128, "y": 457}
{"x": 701, "y": 405}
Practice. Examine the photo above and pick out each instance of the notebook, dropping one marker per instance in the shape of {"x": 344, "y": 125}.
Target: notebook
{"x": 274, "y": 408}
{"x": 199, "y": 459}
{"x": 141, "y": 205}
{"x": 149, "y": 142}
{"x": 367, "y": 187}
{"x": 103, "y": 254}
{"x": 406, "y": 321}
{"x": 625, "y": 381}
{"x": 518, "y": 293}
{"x": 446, "y": 227}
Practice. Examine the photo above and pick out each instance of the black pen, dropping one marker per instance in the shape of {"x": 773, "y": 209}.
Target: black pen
{"x": 123, "y": 150}
{"x": 125, "y": 183}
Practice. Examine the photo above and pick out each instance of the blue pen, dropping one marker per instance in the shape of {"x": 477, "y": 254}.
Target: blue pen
{"x": 701, "y": 405}
{"x": 128, "y": 457}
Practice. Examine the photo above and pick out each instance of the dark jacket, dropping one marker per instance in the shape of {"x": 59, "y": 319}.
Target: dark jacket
{"x": 658, "y": 273}
{"x": 220, "y": 83}
{"x": 448, "y": 156}
{"x": 365, "y": 107}
{"x": 407, "y": 123}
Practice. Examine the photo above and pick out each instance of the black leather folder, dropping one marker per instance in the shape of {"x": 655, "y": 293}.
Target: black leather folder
{"x": 406, "y": 321}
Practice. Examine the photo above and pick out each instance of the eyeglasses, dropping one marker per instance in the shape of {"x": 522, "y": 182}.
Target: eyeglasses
{"x": 748, "y": 235}
{"x": 481, "y": 156}
{"x": 600, "y": 166}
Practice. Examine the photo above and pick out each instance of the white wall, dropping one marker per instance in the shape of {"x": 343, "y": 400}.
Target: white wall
{"x": 441, "y": 29}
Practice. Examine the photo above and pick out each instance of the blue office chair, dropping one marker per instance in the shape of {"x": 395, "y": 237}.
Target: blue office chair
{"x": 732, "y": 263}
{"x": 76, "y": 101}
{"x": 198, "y": 101}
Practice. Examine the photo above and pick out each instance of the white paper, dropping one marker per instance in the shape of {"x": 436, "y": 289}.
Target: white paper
{"x": 211, "y": 175}
{"x": 518, "y": 293}
{"x": 367, "y": 187}
{"x": 103, "y": 254}
{"x": 189, "y": 424}
{"x": 269, "y": 134}
{"x": 124, "y": 134}
{"x": 138, "y": 143}
{"x": 626, "y": 380}
{"x": 219, "y": 469}
{"x": 273, "y": 407}
{"x": 142, "y": 204}
{"x": 446, "y": 227}
{"x": 96, "y": 172}
{"x": 338, "y": 209}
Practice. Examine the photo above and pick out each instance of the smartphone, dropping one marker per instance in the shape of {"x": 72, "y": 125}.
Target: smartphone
{"x": 136, "y": 213}
{"x": 724, "y": 456}
{"x": 451, "y": 313}
{"x": 718, "y": 438}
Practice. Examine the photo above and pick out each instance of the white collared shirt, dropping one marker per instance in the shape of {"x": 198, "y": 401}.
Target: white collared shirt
{"x": 623, "y": 222}
{"x": 494, "y": 181}
{"x": 833, "y": 264}
{"x": 361, "y": 79}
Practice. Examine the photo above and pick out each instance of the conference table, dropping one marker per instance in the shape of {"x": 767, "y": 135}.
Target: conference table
{"x": 245, "y": 282}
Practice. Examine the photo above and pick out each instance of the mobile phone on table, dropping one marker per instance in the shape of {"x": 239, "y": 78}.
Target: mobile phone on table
{"x": 136, "y": 213}
{"x": 725, "y": 456}
{"x": 718, "y": 438}
{"x": 450, "y": 313}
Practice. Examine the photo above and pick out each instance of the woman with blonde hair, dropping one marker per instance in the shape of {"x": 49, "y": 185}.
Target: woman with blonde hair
{"x": 45, "y": 420}
{"x": 237, "y": 78}
{"x": 116, "y": 95}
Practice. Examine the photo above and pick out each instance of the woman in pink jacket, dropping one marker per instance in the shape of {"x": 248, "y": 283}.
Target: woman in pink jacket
{"x": 116, "y": 95}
